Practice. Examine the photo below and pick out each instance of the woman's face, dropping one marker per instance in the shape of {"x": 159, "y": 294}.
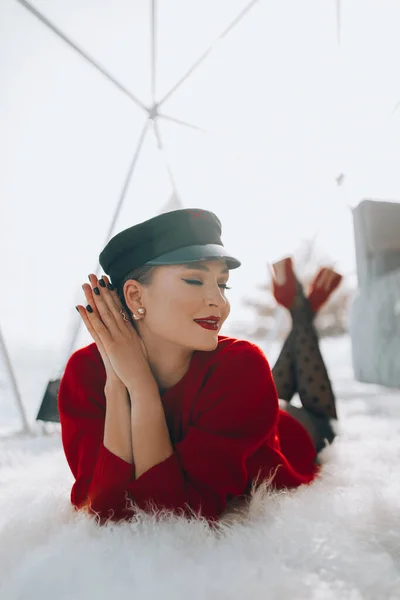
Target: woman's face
{"x": 177, "y": 297}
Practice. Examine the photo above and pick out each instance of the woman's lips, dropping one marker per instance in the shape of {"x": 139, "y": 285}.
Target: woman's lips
{"x": 205, "y": 325}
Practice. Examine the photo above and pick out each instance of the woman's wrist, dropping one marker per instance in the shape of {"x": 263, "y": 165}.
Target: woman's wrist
{"x": 114, "y": 384}
{"x": 143, "y": 386}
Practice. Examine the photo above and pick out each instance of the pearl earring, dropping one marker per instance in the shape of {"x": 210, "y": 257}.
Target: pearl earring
{"x": 141, "y": 310}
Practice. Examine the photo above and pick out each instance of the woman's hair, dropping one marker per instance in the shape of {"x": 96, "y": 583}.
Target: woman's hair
{"x": 142, "y": 275}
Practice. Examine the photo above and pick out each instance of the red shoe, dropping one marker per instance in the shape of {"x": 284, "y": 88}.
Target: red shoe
{"x": 283, "y": 282}
{"x": 322, "y": 286}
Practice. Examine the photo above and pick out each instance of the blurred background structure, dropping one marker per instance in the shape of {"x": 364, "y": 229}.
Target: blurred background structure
{"x": 271, "y": 321}
{"x": 280, "y": 116}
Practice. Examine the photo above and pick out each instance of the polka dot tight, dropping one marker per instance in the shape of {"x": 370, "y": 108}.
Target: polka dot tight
{"x": 300, "y": 366}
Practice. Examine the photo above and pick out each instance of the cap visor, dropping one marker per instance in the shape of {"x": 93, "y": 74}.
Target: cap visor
{"x": 190, "y": 254}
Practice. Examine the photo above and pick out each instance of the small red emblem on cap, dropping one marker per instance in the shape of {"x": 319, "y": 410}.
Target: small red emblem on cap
{"x": 197, "y": 213}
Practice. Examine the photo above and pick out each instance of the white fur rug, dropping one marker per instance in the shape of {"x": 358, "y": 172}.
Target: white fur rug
{"x": 336, "y": 539}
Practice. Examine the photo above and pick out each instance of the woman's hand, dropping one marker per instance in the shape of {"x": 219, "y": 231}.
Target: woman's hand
{"x": 123, "y": 352}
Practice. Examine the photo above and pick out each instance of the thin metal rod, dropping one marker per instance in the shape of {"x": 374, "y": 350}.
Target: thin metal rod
{"x": 112, "y": 225}
{"x": 164, "y": 154}
{"x": 183, "y": 123}
{"x": 153, "y": 51}
{"x": 210, "y": 48}
{"x": 81, "y": 52}
{"x": 14, "y": 385}
{"x": 127, "y": 180}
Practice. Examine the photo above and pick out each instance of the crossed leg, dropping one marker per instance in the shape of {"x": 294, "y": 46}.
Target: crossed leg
{"x": 300, "y": 366}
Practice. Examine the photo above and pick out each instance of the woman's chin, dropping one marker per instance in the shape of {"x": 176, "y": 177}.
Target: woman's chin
{"x": 208, "y": 344}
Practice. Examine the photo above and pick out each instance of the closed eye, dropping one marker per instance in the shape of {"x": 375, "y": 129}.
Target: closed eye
{"x": 196, "y": 282}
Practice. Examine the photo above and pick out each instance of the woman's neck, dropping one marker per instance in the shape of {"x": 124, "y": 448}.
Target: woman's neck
{"x": 168, "y": 362}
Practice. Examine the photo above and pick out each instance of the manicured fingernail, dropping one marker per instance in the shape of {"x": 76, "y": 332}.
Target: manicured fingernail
{"x": 89, "y": 308}
{"x": 88, "y": 277}
{"x": 77, "y": 308}
{"x": 102, "y": 282}
{"x": 96, "y": 291}
{"x": 110, "y": 286}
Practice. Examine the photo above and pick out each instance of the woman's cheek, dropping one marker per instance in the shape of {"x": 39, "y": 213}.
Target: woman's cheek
{"x": 227, "y": 310}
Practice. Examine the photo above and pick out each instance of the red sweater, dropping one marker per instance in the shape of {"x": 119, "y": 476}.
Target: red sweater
{"x": 225, "y": 425}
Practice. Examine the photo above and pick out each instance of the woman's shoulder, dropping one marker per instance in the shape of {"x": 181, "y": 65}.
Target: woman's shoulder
{"x": 85, "y": 358}
{"x": 234, "y": 350}
{"x": 236, "y": 375}
{"x": 241, "y": 347}
{"x": 82, "y": 383}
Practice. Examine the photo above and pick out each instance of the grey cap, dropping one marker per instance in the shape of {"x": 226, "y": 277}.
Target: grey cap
{"x": 189, "y": 254}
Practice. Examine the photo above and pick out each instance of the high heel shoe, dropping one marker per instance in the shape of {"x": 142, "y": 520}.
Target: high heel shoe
{"x": 284, "y": 282}
{"x": 322, "y": 286}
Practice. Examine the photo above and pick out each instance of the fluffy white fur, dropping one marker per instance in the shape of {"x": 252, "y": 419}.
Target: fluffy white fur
{"x": 338, "y": 538}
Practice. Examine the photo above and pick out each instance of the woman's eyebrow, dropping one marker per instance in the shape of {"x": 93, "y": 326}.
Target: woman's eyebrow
{"x": 200, "y": 267}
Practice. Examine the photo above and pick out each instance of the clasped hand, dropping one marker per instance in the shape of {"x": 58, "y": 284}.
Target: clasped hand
{"x": 121, "y": 348}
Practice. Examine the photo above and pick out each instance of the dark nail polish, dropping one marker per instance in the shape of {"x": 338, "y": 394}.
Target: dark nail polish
{"x": 89, "y": 308}
{"x": 88, "y": 277}
{"x": 77, "y": 308}
{"x": 102, "y": 283}
{"x": 110, "y": 286}
{"x": 96, "y": 291}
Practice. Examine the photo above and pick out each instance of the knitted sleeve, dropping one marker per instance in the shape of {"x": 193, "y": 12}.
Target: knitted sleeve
{"x": 81, "y": 406}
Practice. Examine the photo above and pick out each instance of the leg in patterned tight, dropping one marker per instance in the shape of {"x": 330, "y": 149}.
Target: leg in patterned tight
{"x": 314, "y": 386}
{"x": 284, "y": 290}
{"x": 284, "y": 371}
{"x": 300, "y": 366}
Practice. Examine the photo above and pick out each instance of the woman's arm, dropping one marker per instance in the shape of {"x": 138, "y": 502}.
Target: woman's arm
{"x": 117, "y": 427}
{"x": 136, "y": 432}
{"x": 82, "y": 409}
{"x": 151, "y": 442}
{"x": 234, "y": 413}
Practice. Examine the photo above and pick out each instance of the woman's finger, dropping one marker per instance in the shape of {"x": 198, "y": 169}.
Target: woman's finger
{"x": 89, "y": 297}
{"x": 106, "y": 308}
{"x": 109, "y": 284}
{"x": 95, "y": 321}
{"x": 84, "y": 314}
{"x": 102, "y": 286}
{"x": 112, "y": 289}
{"x": 111, "y": 295}
{"x": 102, "y": 314}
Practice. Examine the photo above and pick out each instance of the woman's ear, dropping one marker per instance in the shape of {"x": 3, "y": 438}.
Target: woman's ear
{"x": 132, "y": 292}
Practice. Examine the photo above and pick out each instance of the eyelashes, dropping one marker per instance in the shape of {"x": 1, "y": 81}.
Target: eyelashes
{"x": 196, "y": 282}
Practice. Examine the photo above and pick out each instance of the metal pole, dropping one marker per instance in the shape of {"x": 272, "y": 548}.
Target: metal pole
{"x": 210, "y": 48}
{"x": 111, "y": 228}
{"x": 163, "y": 152}
{"x": 80, "y": 51}
{"x": 13, "y": 379}
{"x": 180, "y": 122}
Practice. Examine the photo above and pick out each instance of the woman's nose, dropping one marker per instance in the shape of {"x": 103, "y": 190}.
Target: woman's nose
{"x": 216, "y": 297}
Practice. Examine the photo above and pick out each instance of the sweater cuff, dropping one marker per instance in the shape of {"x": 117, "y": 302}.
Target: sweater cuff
{"x": 163, "y": 485}
{"x": 111, "y": 470}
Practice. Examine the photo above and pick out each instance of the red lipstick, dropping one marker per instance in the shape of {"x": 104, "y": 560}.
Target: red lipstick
{"x": 210, "y": 323}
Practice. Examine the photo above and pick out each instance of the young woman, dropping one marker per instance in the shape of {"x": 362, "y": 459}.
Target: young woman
{"x": 162, "y": 412}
